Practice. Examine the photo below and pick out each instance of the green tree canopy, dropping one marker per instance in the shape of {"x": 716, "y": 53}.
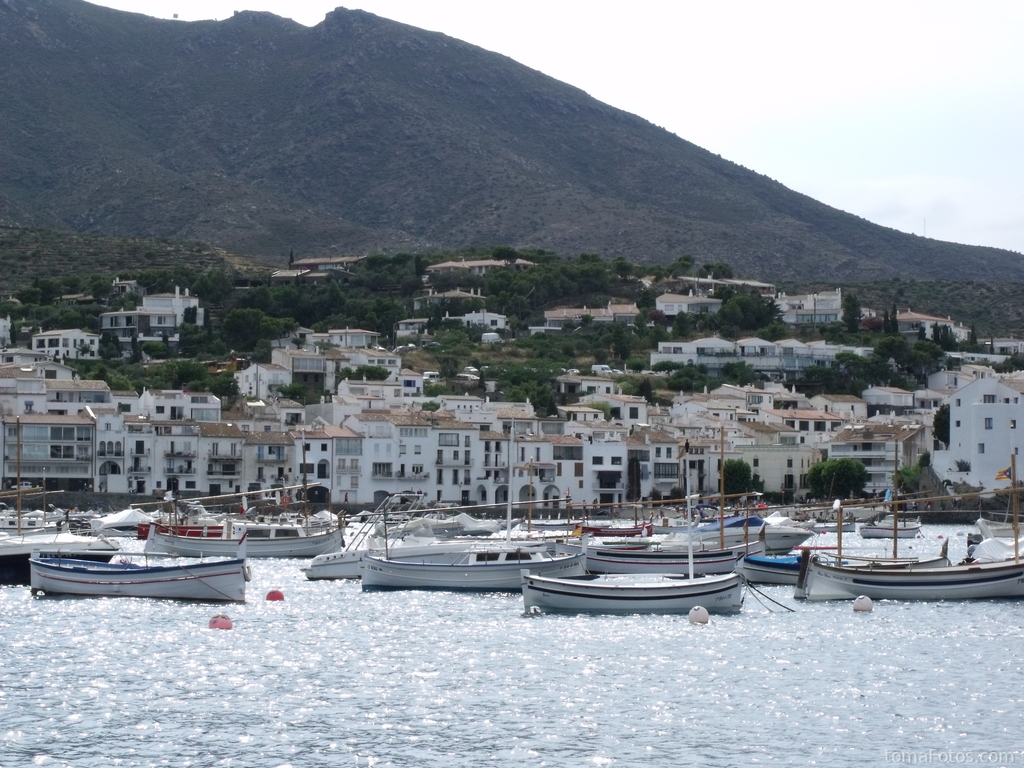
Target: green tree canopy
{"x": 837, "y": 479}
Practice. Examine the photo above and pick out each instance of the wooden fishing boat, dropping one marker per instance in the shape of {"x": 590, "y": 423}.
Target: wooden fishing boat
{"x": 883, "y": 529}
{"x": 489, "y": 568}
{"x": 264, "y": 540}
{"x": 15, "y": 552}
{"x": 219, "y": 580}
{"x": 659, "y": 558}
{"x": 631, "y": 594}
{"x": 641, "y": 529}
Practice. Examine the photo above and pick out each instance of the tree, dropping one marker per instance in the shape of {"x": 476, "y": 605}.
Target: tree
{"x": 837, "y": 478}
{"x": 851, "y": 312}
{"x": 738, "y": 477}
{"x": 940, "y": 424}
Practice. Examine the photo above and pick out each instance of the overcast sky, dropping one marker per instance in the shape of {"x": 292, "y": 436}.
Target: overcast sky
{"x": 909, "y": 114}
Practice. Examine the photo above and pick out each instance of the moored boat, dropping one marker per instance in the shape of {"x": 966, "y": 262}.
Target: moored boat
{"x": 762, "y": 569}
{"x": 884, "y": 528}
{"x": 825, "y": 580}
{"x": 220, "y": 580}
{"x": 491, "y": 568}
{"x": 631, "y": 594}
{"x": 658, "y": 558}
{"x": 15, "y": 552}
{"x": 263, "y": 540}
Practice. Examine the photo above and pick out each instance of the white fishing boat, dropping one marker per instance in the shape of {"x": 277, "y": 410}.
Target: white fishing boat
{"x": 631, "y": 594}
{"x": 374, "y": 533}
{"x": 778, "y": 537}
{"x": 487, "y": 568}
{"x": 659, "y": 557}
{"x": 769, "y": 569}
{"x": 220, "y": 580}
{"x": 264, "y": 540}
{"x": 884, "y": 528}
{"x": 786, "y": 569}
{"x": 993, "y": 529}
{"x": 27, "y": 523}
{"x": 123, "y": 523}
{"x": 825, "y": 581}
{"x": 15, "y": 551}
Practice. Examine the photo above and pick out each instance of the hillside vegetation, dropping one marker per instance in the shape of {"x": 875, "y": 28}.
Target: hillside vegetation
{"x": 361, "y": 135}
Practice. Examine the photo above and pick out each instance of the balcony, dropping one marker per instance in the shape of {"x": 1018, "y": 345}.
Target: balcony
{"x": 221, "y": 473}
{"x": 181, "y": 454}
{"x": 180, "y": 471}
{"x": 419, "y": 476}
{"x": 139, "y": 469}
{"x": 271, "y": 459}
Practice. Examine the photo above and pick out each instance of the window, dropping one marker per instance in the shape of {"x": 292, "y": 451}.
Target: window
{"x": 448, "y": 438}
{"x": 988, "y": 423}
{"x": 985, "y": 399}
{"x": 1013, "y": 423}
{"x": 981, "y": 447}
{"x": 757, "y": 462}
{"x": 598, "y": 460}
{"x": 657, "y": 452}
{"x": 617, "y": 461}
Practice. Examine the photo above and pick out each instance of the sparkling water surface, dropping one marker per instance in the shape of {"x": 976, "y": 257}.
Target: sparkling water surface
{"x": 332, "y": 676}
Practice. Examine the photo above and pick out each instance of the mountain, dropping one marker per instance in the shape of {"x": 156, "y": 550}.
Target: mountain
{"x": 262, "y": 136}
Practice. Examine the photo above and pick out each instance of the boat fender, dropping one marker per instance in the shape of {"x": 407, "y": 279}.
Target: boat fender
{"x": 863, "y": 604}
{"x": 698, "y": 615}
{"x": 221, "y": 621}
{"x": 275, "y": 594}
{"x": 247, "y": 572}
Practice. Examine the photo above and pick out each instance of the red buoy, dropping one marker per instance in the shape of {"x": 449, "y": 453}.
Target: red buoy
{"x": 275, "y": 594}
{"x": 221, "y": 621}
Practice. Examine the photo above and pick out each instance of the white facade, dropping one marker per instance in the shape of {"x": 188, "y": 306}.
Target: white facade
{"x": 73, "y": 343}
{"x": 986, "y": 419}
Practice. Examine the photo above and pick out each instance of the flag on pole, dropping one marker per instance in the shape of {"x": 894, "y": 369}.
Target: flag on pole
{"x": 1004, "y": 474}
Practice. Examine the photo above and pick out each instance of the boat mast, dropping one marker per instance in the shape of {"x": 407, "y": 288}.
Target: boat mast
{"x": 1016, "y": 518}
{"x": 895, "y": 494}
{"x": 17, "y": 428}
{"x": 838, "y": 507}
{"x": 508, "y": 490}
{"x": 721, "y": 487}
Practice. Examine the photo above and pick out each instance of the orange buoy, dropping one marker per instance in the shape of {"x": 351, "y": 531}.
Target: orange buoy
{"x": 275, "y": 594}
{"x": 221, "y": 621}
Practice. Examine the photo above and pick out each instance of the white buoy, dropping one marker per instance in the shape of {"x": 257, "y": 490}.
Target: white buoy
{"x": 698, "y": 615}
{"x": 863, "y": 604}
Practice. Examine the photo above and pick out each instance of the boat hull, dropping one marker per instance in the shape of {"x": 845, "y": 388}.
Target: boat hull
{"x": 769, "y": 570}
{"x": 885, "y": 531}
{"x": 15, "y": 552}
{"x": 955, "y": 582}
{"x": 610, "y": 560}
{"x": 299, "y": 546}
{"x": 632, "y": 595}
{"x": 381, "y": 573}
{"x": 220, "y": 581}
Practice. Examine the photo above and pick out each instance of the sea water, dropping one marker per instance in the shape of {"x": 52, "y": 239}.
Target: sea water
{"x": 333, "y": 676}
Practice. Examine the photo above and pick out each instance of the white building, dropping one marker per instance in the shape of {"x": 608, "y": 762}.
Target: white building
{"x": 156, "y": 319}
{"x": 490, "y": 320}
{"x": 819, "y": 308}
{"x": 673, "y": 304}
{"x": 74, "y": 343}
{"x": 986, "y": 418}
